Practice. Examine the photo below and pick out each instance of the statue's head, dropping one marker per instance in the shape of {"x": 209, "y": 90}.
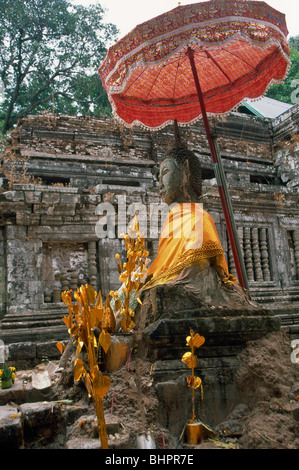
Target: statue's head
{"x": 180, "y": 176}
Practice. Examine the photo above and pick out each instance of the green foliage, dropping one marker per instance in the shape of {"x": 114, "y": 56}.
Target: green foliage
{"x": 50, "y": 51}
{"x": 6, "y": 372}
{"x": 287, "y": 91}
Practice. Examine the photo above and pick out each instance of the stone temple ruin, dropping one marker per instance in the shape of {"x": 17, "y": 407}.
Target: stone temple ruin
{"x": 58, "y": 171}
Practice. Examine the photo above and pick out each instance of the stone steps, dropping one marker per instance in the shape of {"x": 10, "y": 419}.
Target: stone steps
{"x": 274, "y": 303}
{"x": 32, "y": 336}
{"x": 289, "y": 319}
{"x": 41, "y": 315}
{"x": 40, "y": 327}
{"x": 39, "y": 334}
{"x": 284, "y": 305}
{"x": 290, "y": 324}
{"x": 30, "y": 323}
{"x": 270, "y": 298}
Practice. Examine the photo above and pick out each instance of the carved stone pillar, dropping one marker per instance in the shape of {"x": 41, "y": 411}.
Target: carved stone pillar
{"x": 92, "y": 264}
{"x": 64, "y": 283}
{"x": 296, "y": 251}
{"x": 56, "y": 295}
{"x": 248, "y": 254}
{"x": 47, "y": 297}
{"x": 241, "y": 239}
{"x": 74, "y": 281}
{"x": 265, "y": 255}
{"x": 231, "y": 262}
{"x": 256, "y": 255}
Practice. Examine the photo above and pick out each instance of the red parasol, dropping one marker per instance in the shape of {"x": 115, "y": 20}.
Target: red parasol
{"x": 193, "y": 61}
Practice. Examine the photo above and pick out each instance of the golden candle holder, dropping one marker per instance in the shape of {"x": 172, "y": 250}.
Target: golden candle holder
{"x": 194, "y": 433}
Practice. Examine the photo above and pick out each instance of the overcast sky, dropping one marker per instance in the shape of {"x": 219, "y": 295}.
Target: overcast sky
{"x": 126, "y": 14}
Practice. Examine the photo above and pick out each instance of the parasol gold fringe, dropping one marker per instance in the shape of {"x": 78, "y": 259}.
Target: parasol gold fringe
{"x": 140, "y": 65}
{"x": 180, "y": 50}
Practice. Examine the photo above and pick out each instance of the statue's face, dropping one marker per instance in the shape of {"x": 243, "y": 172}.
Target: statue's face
{"x": 170, "y": 182}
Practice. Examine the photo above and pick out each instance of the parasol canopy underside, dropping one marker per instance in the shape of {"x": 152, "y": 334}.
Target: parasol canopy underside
{"x": 240, "y": 49}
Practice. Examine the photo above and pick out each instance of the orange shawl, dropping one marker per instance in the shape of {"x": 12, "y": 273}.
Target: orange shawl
{"x": 188, "y": 236}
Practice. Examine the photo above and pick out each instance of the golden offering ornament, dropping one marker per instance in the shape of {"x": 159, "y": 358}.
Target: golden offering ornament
{"x": 85, "y": 318}
{"x": 189, "y": 358}
{"x": 131, "y": 275}
{"x": 90, "y": 323}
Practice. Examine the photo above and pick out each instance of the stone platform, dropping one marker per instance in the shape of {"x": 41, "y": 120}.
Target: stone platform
{"x": 227, "y": 319}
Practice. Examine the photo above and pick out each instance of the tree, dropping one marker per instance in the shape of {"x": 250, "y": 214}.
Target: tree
{"x": 50, "y": 51}
{"x": 286, "y": 91}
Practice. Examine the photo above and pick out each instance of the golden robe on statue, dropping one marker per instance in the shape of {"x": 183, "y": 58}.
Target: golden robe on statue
{"x": 189, "y": 237}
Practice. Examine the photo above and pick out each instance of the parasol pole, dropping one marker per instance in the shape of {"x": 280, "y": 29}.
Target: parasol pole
{"x": 222, "y": 187}
{"x": 231, "y": 214}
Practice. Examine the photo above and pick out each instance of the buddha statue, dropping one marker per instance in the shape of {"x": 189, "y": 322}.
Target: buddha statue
{"x": 189, "y": 242}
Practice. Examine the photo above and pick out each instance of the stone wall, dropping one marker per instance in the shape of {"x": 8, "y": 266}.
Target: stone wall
{"x": 2, "y": 273}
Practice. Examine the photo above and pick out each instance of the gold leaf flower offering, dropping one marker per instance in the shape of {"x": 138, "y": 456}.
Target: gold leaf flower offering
{"x": 131, "y": 273}
{"x": 89, "y": 325}
{"x": 189, "y": 358}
